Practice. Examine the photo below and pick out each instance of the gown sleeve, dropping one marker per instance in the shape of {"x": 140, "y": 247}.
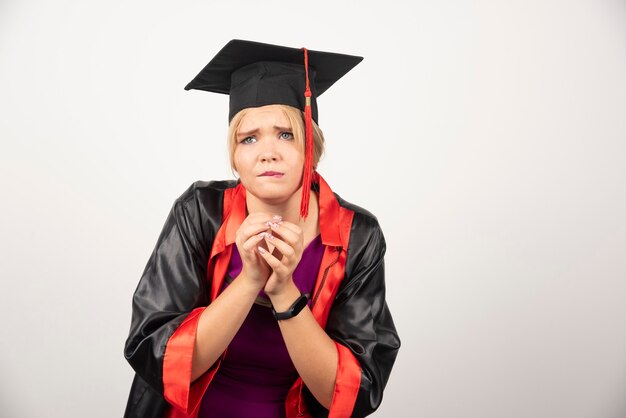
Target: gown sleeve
{"x": 173, "y": 288}
{"x": 361, "y": 324}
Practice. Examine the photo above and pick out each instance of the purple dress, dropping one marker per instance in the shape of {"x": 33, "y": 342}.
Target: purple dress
{"x": 257, "y": 372}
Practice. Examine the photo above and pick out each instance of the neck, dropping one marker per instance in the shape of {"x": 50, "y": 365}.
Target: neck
{"x": 288, "y": 209}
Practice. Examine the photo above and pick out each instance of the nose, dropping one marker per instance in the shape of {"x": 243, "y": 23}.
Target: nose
{"x": 268, "y": 156}
{"x": 269, "y": 152}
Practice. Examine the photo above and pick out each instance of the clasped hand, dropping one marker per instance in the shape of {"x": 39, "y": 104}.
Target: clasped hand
{"x": 271, "y": 271}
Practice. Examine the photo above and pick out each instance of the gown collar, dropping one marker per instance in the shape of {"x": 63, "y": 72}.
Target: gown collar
{"x": 328, "y": 213}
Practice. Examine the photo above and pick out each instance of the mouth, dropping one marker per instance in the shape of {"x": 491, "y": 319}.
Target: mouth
{"x": 272, "y": 174}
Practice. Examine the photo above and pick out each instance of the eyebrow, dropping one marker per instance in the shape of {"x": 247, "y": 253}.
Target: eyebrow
{"x": 276, "y": 128}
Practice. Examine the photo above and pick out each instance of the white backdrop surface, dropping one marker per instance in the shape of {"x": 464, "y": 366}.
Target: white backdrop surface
{"x": 487, "y": 137}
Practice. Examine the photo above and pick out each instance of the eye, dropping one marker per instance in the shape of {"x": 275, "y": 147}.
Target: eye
{"x": 248, "y": 140}
{"x": 286, "y": 135}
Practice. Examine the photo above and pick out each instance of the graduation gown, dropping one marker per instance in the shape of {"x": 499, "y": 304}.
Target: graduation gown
{"x": 187, "y": 269}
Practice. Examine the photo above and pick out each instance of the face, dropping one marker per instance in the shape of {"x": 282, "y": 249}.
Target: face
{"x": 266, "y": 156}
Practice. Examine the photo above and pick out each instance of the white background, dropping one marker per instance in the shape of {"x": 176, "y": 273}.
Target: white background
{"x": 487, "y": 137}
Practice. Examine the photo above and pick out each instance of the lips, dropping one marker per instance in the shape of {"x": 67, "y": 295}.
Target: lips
{"x": 272, "y": 174}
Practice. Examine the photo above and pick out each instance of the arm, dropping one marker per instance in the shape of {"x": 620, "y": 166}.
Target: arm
{"x": 346, "y": 367}
{"x": 172, "y": 298}
{"x": 312, "y": 351}
{"x": 177, "y": 335}
{"x": 219, "y": 323}
{"x": 172, "y": 285}
{"x": 221, "y": 320}
{"x": 360, "y": 321}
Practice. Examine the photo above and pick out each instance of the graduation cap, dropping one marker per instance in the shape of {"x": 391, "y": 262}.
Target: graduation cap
{"x": 255, "y": 74}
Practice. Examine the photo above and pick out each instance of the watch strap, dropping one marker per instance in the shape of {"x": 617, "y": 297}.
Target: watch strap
{"x": 293, "y": 310}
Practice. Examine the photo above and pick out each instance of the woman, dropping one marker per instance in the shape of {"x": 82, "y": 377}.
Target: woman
{"x": 264, "y": 297}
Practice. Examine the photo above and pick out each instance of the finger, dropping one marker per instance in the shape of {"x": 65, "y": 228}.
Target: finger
{"x": 251, "y": 230}
{"x": 273, "y": 262}
{"x": 291, "y": 226}
{"x": 287, "y": 233}
{"x": 254, "y": 241}
{"x": 269, "y": 240}
{"x": 260, "y": 220}
{"x": 284, "y": 248}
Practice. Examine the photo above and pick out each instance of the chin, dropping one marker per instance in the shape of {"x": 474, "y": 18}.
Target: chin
{"x": 274, "y": 194}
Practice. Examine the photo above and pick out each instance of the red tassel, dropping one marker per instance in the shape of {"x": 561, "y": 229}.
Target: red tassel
{"x": 307, "y": 174}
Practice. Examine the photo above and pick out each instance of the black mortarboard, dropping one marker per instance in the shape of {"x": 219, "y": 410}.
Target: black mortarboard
{"x": 256, "y": 74}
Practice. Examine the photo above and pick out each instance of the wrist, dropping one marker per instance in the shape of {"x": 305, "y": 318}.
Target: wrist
{"x": 248, "y": 285}
{"x": 282, "y": 300}
{"x": 296, "y": 307}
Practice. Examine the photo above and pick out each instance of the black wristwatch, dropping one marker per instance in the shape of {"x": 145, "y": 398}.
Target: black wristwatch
{"x": 293, "y": 310}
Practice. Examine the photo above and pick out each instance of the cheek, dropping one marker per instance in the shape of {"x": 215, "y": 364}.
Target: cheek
{"x": 234, "y": 160}
{"x": 298, "y": 159}
{"x": 239, "y": 160}
{"x": 295, "y": 156}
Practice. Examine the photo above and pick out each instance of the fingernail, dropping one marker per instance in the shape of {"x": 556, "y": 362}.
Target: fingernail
{"x": 274, "y": 225}
{"x": 266, "y": 235}
{"x": 262, "y": 250}
{"x": 277, "y": 217}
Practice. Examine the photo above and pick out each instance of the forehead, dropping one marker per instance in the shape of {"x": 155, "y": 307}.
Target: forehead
{"x": 257, "y": 117}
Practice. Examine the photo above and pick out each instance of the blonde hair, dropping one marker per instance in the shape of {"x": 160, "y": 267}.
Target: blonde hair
{"x": 296, "y": 120}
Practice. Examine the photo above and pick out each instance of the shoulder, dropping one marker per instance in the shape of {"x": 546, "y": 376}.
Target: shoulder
{"x": 358, "y": 210}
{"x": 200, "y": 206}
{"x": 202, "y": 190}
{"x": 364, "y": 265}
{"x": 365, "y": 225}
{"x": 205, "y": 196}
{"x": 366, "y": 246}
